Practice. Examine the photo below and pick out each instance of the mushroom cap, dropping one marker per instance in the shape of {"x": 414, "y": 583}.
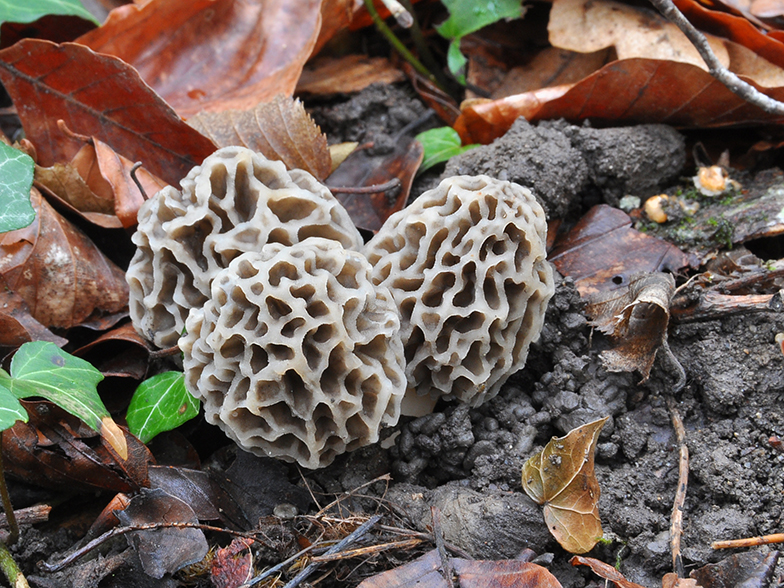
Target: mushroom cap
{"x": 465, "y": 263}
{"x": 235, "y": 201}
{"x": 297, "y": 354}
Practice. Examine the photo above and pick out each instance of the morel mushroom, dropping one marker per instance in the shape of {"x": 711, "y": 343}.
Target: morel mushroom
{"x": 297, "y": 355}
{"x": 235, "y": 202}
{"x": 466, "y": 266}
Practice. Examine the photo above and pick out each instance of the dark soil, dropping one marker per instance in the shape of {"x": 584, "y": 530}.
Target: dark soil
{"x": 467, "y": 462}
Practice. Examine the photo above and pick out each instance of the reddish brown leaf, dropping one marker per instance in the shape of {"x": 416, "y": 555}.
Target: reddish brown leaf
{"x": 425, "y": 571}
{"x": 212, "y": 55}
{"x": 603, "y": 570}
{"x": 233, "y": 565}
{"x": 734, "y": 28}
{"x": 116, "y": 170}
{"x": 59, "y": 272}
{"x": 602, "y": 251}
{"x": 98, "y": 96}
{"x": 56, "y": 450}
{"x": 750, "y": 570}
{"x": 369, "y": 211}
{"x": 17, "y": 325}
{"x": 350, "y": 73}
{"x": 121, "y": 352}
{"x": 627, "y": 91}
{"x": 280, "y": 129}
{"x": 561, "y": 478}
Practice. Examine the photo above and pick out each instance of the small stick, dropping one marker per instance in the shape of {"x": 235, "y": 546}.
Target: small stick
{"x": 278, "y": 567}
{"x": 446, "y": 566}
{"x": 427, "y": 537}
{"x": 85, "y": 549}
{"x": 749, "y": 541}
{"x": 168, "y": 352}
{"x": 374, "y": 189}
{"x": 339, "y": 546}
{"x": 382, "y": 478}
{"x": 372, "y": 549}
{"x": 136, "y": 181}
{"x": 733, "y": 83}
{"x": 676, "y": 521}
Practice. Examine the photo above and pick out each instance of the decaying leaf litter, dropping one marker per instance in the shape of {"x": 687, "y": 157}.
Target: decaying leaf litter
{"x": 465, "y": 463}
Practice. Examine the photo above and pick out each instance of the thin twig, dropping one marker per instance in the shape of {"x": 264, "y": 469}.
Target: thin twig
{"x": 13, "y": 525}
{"x": 446, "y": 565}
{"x": 88, "y": 547}
{"x": 339, "y": 546}
{"x": 733, "y": 83}
{"x": 278, "y": 567}
{"x": 374, "y": 189}
{"x": 167, "y": 352}
{"x": 136, "y": 181}
{"x": 429, "y": 537}
{"x": 382, "y": 478}
{"x": 676, "y": 521}
{"x": 749, "y": 541}
{"x": 370, "y": 550}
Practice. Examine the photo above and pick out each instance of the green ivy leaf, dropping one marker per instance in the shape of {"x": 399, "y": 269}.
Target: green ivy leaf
{"x": 16, "y": 179}
{"x": 10, "y": 408}
{"x": 42, "y": 369}
{"x": 31, "y": 10}
{"x": 468, "y": 16}
{"x": 160, "y": 403}
{"x": 439, "y": 145}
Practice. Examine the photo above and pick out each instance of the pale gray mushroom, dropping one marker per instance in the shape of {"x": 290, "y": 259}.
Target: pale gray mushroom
{"x": 297, "y": 354}
{"x": 235, "y": 202}
{"x": 466, "y": 266}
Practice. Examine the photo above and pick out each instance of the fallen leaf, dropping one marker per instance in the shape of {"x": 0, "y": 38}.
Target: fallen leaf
{"x": 369, "y": 211}
{"x": 593, "y": 25}
{"x": 97, "y": 96}
{"x": 56, "y": 450}
{"x": 604, "y": 571}
{"x": 671, "y": 580}
{"x": 752, "y": 569}
{"x": 426, "y": 571}
{"x": 628, "y": 91}
{"x": 232, "y": 565}
{"x": 602, "y": 251}
{"x": 61, "y": 275}
{"x": 166, "y": 549}
{"x": 346, "y": 74}
{"x": 17, "y": 325}
{"x": 637, "y": 317}
{"x": 173, "y": 45}
{"x": 561, "y": 478}
{"x": 281, "y": 130}
{"x": 120, "y": 352}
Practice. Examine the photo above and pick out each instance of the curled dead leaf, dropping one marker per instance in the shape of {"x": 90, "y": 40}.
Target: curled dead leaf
{"x": 637, "y": 317}
{"x": 561, "y": 478}
{"x": 280, "y": 129}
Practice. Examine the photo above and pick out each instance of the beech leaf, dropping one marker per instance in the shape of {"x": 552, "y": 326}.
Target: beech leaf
{"x": 160, "y": 403}
{"x": 280, "y": 130}
{"x": 637, "y": 317}
{"x": 561, "y": 478}
{"x": 16, "y": 179}
{"x": 42, "y": 369}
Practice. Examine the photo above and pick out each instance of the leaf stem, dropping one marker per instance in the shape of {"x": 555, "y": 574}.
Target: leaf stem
{"x": 398, "y": 44}
{"x": 11, "y": 571}
{"x": 13, "y": 525}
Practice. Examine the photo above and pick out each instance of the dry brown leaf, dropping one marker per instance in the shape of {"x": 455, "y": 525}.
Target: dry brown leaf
{"x": 212, "y": 55}
{"x": 350, "y": 73}
{"x": 671, "y": 580}
{"x": 592, "y": 25}
{"x": 280, "y": 129}
{"x": 604, "y": 571}
{"x": 603, "y": 250}
{"x": 17, "y": 325}
{"x": 59, "y": 272}
{"x": 637, "y": 317}
{"x": 561, "y": 478}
